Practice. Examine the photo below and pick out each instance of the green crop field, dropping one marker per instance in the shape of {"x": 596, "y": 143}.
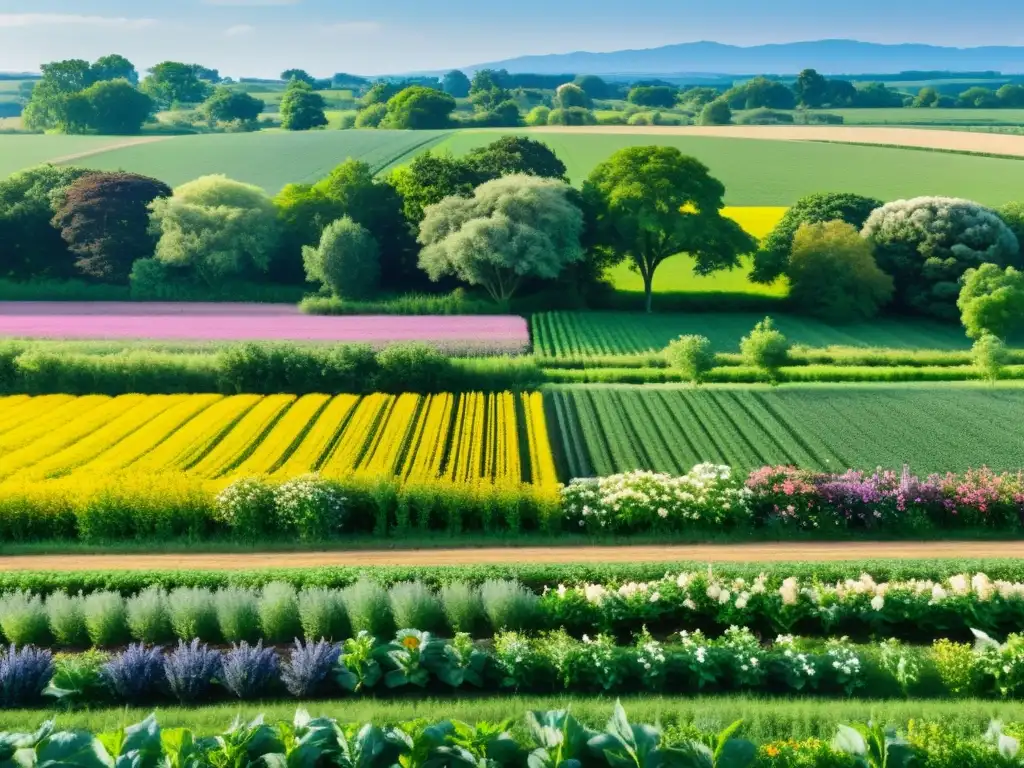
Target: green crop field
{"x": 268, "y": 159}
{"x": 583, "y": 334}
{"x": 675, "y": 275}
{"x": 930, "y": 116}
{"x": 766, "y": 172}
{"x": 600, "y": 430}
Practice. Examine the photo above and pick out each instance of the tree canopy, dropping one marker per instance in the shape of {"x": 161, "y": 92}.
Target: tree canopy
{"x": 594, "y": 86}
{"x": 511, "y": 229}
{"x": 302, "y": 109}
{"x": 456, "y": 84}
{"x": 569, "y": 95}
{"x": 104, "y": 219}
{"x": 227, "y": 105}
{"x": 419, "y": 108}
{"x": 811, "y": 88}
{"x": 347, "y": 260}
{"x": 116, "y": 107}
{"x": 298, "y": 74}
{"x": 429, "y": 179}
{"x": 928, "y": 243}
{"x": 653, "y": 96}
{"x": 173, "y": 82}
{"x": 515, "y": 154}
{"x": 650, "y": 203}
{"x": 991, "y": 301}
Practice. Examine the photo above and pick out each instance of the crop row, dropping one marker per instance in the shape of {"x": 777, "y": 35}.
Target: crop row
{"x": 918, "y": 610}
{"x": 469, "y": 438}
{"x": 604, "y": 430}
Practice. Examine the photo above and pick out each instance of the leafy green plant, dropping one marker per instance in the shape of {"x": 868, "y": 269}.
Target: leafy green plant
{"x": 357, "y": 668}
{"x": 873, "y": 746}
{"x": 322, "y": 614}
{"x": 904, "y": 667}
{"x": 77, "y": 678}
{"x": 955, "y": 664}
{"x": 626, "y": 745}
{"x": 692, "y": 356}
{"x": 559, "y": 740}
{"x": 462, "y": 663}
{"x": 368, "y": 608}
{"x": 66, "y": 614}
{"x": 411, "y": 654}
{"x": 716, "y": 750}
{"x": 106, "y": 618}
{"x": 509, "y": 605}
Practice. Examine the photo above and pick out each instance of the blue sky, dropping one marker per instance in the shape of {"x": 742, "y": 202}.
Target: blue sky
{"x": 262, "y": 37}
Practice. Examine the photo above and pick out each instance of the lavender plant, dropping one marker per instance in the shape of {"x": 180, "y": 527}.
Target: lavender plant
{"x": 135, "y": 674}
{"x": 23, "y": 674}
{"x": 190, "y": 670}
{"x": 248, "y": 670}
{"x": 308, "y": 666}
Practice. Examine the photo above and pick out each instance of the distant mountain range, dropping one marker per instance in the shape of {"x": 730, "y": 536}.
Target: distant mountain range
{"x": 833, "y": 57}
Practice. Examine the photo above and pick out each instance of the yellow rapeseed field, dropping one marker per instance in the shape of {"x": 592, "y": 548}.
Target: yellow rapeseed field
{"x": 176, "y": 444}
{"x": 755, "y": 221}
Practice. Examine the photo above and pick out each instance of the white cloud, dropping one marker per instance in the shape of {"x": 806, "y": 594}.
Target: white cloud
{"x": 239, "y": 30}
{"x": 351, "y": 28}
{"x": 9, "y": 20}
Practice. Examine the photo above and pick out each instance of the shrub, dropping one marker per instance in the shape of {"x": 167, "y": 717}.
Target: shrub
{"x": 322, "y": 613}
{"x": 347, "y": 260}
{"x": 463, "y": 606}
{"x": 765, "y": 116}
{"x": 416, "y": 362}
{"x": 372, "y": 116}
{"x": 136, "y": 674}
{"x": 928, "y": 243}
{"x": 833, "y": 274}
{"x": 147, "y": 616}
{"x": 306, "y": 670}
{"x": 765, "y": 348}
{"x": 279, "y": 612}
{"x": 312, "y": 507}
{"x": 190, "y": 670}
{"x": 23, "y": 619}
{"x": 248, "y": 671}
{"x": 368, "y": 608}
{"x": 78, "y": 678}
{"x": 23, "y": 675}
{"x": 247, "y": 508}
{"x": 716, "y": 112}
{"x": 106, "y": 618}
{"x": 508, "y": 605}
{"x": 192, "y": 613}
{"x": 954, "y": 663}
{"x": 692, "y": 356}
{"x": 989, "y": 355}
{"x": 238, "y": 614}
{"x": 66, "y": 614}
{"x": 991, "y": 301}
{"x": 415, "y": 606}
{"x": 571, "y": 116}
{"x": 538, "y": 116}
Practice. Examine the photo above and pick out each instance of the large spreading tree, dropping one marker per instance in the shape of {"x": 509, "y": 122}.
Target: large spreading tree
{"x": 302, "y": 108}
{"x": 650, "y": 203}
{"x": 104, "y": 219}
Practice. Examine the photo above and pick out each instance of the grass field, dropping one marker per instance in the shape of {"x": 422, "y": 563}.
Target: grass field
{"x": 929, "y": 116}
{"x": 603, "y": 430}
{"x": 761, "y": 172}
{"x": 24, "y": 151}
{"x": 583, "y": 334}
{"x": 468, "y": 438}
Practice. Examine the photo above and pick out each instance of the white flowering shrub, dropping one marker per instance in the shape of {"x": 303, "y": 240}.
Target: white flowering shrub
{"x": 844, "y": 665}
{"x": 706, "y": 496}
{"x": 799, "y": 669}
{"x": 247, "y": 508}
{"x": 310, "y": 506}
{"x": 650, "y": 659}
{"x": 516, "y": 658}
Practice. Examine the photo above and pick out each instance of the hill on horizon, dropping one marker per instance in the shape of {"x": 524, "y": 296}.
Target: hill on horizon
{"x": 830, "y": 57}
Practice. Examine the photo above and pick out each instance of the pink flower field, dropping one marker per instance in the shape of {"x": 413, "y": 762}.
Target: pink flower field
{"x": 493, "y": 334}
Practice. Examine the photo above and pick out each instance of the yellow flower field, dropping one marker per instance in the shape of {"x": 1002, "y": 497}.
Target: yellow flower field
{"x": 484, "y": 440}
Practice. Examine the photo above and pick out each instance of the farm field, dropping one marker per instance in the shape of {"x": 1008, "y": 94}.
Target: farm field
{"x": 584, "y": 334}
{"x": 601, "y": 430}
{"x": 212, "y": 322}
{"x": 19, "y": 151}
{"x": 467, "y": 439}
{"x": 765, "y": 172}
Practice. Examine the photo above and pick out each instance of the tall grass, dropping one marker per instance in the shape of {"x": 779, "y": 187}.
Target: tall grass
{"x": 415, "y": 606}
{"x": 368, "y": 607}
{"x": 238, "y": 614}
{"x": 509, "y": 605}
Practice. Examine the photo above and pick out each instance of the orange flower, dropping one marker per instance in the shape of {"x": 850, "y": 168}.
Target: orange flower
{"x": 410, "y": 642}
{"x": 771, "y": 750}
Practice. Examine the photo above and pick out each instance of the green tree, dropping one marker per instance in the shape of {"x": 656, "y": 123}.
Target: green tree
{"x": 56, "y": 102}
{"x": 692, "y": 356}
{"x": 512, "y": 229}
{"x": 571, "y": 116}
{"x": 302, "y": 109}
{"x": 215, "y": 228}
{"x": 226, "y": 105}
{"x": 716, "y": 112}
{"x": 593, "y": 86}
{"x": 486, "y": 90}
{"x": 104, "y": 219}
{"x": 29, "y": 244}
{"x": 979, "y": 98}
{"x": 989, "y": 355}
{"x": 765, "y": 348}
{"x": 650, "y": 203}
{"x": 1011, "y": 95}
{"x": 760, "y": 92}
{"x": 538, "y": 116}
{"x": 1012, "y": 215}
{"x": 515, "y": 154}
{"x": 303, "y": 212}
{"x": 298, "y": 74}
{"x": 840, "y": 93}
{"x": 113, "y": 67}
{"x": 927, "y": 97}
{"x": 372, "y": 116}
{"x": 380, "y": 92}
{"x": 456, "y": 84}
{"x": 991, "y": 301}
{"x": 811, "y": 88}
{"x": 419, "y": 108}
{"x": 347, "y": 260}
{"x": 877, "y": 95}
{"x": 833, "y": 274}
{"x": 772, "y": 259}
{"x": 172, "y": 82}
{"x": 699, "y": 97}
{"x": 429, "y": 179}
{"x": 928, "y": 243}
{"x": 505, "y": 115}
{"x": 653, "y": 96}
{"x": 116, "y": 107}
{"x": 569, "y": 95}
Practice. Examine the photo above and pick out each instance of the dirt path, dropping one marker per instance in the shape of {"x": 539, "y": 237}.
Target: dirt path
{"x": 107, "y": 148}
{"x": 735, "y": 553}
{"x": 925, "y": 138}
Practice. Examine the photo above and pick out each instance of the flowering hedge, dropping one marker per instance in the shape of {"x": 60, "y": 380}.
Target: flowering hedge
{"x": 789, "y": 498}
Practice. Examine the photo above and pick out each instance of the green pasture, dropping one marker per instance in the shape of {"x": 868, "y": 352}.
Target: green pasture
{"x": 768, "y": 172}
{"x": 24, "y": 151}
{"x": 601, "y": 429}
{"x": 675, "y": 275}
{"x": 269, "y": 159}
{"x": 929, "y": 116}
{"x": 583, "y": 334}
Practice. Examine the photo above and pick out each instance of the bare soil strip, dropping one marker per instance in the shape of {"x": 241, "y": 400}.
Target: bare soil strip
{"x": 724, "y": 553}
{"x": 107, "y": 148}
{"x": 922, "y": 138}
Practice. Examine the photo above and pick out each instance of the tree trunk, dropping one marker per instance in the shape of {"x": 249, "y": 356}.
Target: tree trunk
{"x": 648, "y": 291}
